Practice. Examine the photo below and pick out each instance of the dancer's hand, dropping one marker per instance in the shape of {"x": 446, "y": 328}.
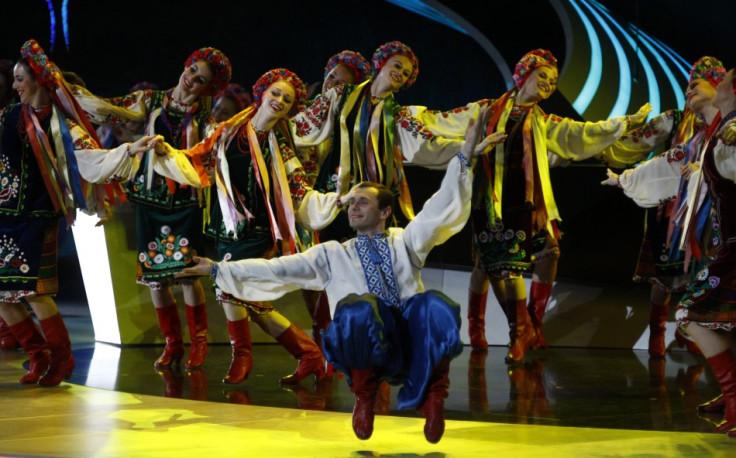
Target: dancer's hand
{"x": 727, "y": 133}
{"x": 640, "y": 116}
{"x": 141, "y": 145}
{"x": 688, "y": 169}
{"x": 202, "y": 268}
{"x": 612, "y": 179}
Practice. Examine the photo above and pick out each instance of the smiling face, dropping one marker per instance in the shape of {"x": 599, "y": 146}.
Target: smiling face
{"x": 196, "y": 78}
{"x": 364, "y": 214}
{"x": 395, "y": 72}
{"x": 540, "y": 85}
{"x": 699, "y": 95}
{"x": 338, "y": 75}
{"x": 26, "y": 85}
{"x": 278, "y": 99}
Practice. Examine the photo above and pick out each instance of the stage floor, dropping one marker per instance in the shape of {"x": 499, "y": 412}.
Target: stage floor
{"x": 560, "y": 402}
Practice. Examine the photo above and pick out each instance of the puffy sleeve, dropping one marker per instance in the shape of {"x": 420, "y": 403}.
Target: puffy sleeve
{"x": 443, "y": 215}
{"x": 421, "y": 146}
{"x": 575, "y": 140}
{"x": 448, "y": 124}
{"x": 724, "y": 156}
{"x": 656, "y": 180}
{"x": 635, "y": 145}
{"x": 316, "y": 123}
{"x": 267, "y": 280}
{"x": 132, "y": 107}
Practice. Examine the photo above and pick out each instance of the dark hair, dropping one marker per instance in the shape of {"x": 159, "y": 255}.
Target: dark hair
{"x": 27, "y": 66}
{"x": 384, "y": 194}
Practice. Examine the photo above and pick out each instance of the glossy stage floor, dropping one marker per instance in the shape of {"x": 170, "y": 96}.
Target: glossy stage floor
{"x": 560, "y": 402}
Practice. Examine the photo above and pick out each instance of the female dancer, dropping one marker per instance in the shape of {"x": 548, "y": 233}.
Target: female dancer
{"x": 345, "y": 67}
{"x": 514, "y": 218}
{"x": 40, "y": 184}
{"x": 230, "y": 101}
{"x": 707, "y": 312}
{"x": 168, "y": 214}
{"x": 257, "y": 209}
{"x": 661, "y": 185}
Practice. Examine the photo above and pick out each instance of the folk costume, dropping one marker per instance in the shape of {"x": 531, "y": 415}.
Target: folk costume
{"x": 168, "y": 213}
{"x": 259, "y": 196}
{"x": 40, "y": 184}
{"x": 514, "y": 215}
{"x": 659, "y": 186}
{"x": 711, "y": 299}
{"x": 385, "y": 326}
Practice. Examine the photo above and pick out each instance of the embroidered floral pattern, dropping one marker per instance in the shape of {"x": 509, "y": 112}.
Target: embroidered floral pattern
{"x": 676, "y": 154}
{"x": 316, "y": 115}
{"x": 12, "y": 260}
{"x": 405, "y": 121}
{"x": 9, "y": 180}
{"x": 168, "y": 251}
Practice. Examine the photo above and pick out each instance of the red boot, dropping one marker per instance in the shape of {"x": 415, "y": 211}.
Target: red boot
{"x": 365, "y": 388}
{"x": 522, "y": 333}
{"x": 197, "y": 321}
{"x": 657, "y": 320}
{"x": 538, "y": 298}
{"x": 321, "y": 318}
{"x": 7, "y": 339}
{"x": 477, "y": 320}
{"x": 33, "y": 343}
{"x": 433, "y": 407}
{"x": 168, "y": 321}
{"x": 242, "y": 361}
{"x": 723, "y": 366}
{"x": 301, "y": 347}
{"x": 62, "y": 361}
{"x": 715, "y": 405}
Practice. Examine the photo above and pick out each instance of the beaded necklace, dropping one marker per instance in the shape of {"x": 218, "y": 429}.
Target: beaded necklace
{"x": 177, "y": 130}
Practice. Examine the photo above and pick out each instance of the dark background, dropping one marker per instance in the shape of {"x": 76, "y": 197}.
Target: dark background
{"x": 114, "y": 45}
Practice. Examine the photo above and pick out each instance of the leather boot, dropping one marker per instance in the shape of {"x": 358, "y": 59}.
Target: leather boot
{"x": 539, "y": 294}
{"x": 522, "y": 333}
{"x": 715, "y": 405}
{"x": 7, "y": 339}
{"x": 197, "y": 322}
{"x": 168, "y": 321}
{"x": 304, "y": 349}
{"x": 477, "y": 320}
{"x": 33, "y": 343}
{"x": 657, "y": 320}
{"x": 242, "y": 361}
{"x": 321, "y": 318}
{"x": 382, "y": 405}
{"x": 365, "y": 388}
{"x": 62, "y": 361}
{"x": 433, "y": 407}
{"x": 723, "y": 366}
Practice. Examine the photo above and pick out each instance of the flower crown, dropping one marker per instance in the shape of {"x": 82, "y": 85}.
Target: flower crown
{"x": 270, "y": 77}
{"x": 390, "y": 49}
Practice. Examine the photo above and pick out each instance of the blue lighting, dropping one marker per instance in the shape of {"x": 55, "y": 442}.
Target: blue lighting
{"x": 65, "y": 22}
{"x": 676, "y": 86}
{"x": 52, "y": 19}
{"x": 652, "y": 86}
{"x": 624, "y": 71}
{"x": 585, "y": 97}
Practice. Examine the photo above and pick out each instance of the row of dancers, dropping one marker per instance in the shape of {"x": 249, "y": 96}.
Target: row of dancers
{"x": 299, "y": 194}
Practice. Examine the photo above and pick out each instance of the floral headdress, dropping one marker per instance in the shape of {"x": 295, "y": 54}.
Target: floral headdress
{"x": 40, "y": 64}
{"x": 270, "y": 77}
{"x": 236, "y": 93}
{"x": 218, "y": 61}
{"x": 390, "y": 49}
{"x": 529, "y": 62}
{"x": 354, "y": 61}
{"x": 708, "y": 68}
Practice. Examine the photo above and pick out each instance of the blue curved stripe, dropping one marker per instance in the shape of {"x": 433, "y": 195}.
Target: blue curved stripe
{"x": 593, "y": 81}
{"x": 676, "y": 85}
{"x": 65, "y": 22}
{"x": 680, "y": 63}
{"x": 652, "y": 85}
{"x": 621, "y": 105}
